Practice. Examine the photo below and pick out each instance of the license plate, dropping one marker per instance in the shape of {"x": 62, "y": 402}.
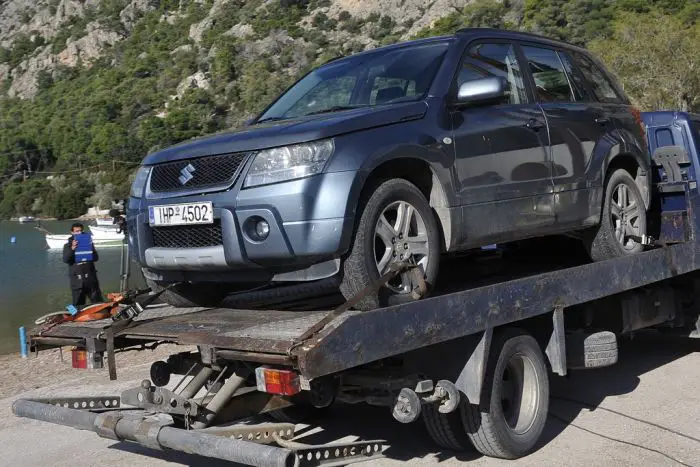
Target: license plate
{"x": 181, "y": 214}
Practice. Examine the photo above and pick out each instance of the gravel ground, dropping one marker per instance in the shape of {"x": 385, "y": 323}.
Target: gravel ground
{"x": 656, "y": 381}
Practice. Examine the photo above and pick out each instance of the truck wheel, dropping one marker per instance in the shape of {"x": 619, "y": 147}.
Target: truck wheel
{"x": 189, "y": 295}
{"x": 623, "y": 219}
{"x": 518, "y": 398}
{"x": 446, "y": 429}
{"x": 396, "y": 224}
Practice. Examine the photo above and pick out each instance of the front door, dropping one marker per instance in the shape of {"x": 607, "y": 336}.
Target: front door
{"x": 502, "y": 154}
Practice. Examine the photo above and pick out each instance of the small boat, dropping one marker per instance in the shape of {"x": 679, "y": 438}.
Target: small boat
{"x": 102, "y": 232}
{"x": 25, "y": 219}
{"x": 56, "y": 241}
{"x": 104, "y": 221}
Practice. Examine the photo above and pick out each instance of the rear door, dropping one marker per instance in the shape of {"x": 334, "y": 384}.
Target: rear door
{"x": 577, "y": 128}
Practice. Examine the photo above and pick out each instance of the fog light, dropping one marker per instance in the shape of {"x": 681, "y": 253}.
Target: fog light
{"x": 262, "y": 229}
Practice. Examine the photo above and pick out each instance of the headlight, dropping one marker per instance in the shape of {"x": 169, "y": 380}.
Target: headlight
{"x": 140, "y": 181}
{"x": 289, "y": 162}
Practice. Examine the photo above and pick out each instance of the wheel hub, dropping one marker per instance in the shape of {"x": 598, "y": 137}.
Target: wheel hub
{"x": 625, "y": 212}
{"x": 400, "y": 235}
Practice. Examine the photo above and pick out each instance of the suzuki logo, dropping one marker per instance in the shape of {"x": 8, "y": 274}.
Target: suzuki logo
{"x": 186, "y": 174}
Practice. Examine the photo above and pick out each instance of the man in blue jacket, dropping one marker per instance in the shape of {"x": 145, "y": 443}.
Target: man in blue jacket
{"x": 83, "y": 275}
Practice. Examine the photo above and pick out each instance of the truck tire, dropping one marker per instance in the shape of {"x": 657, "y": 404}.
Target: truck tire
{"x": 623, "y": 214}
{"x": 586, "y": 350}
{"x": 383, "y": 236}
{"x": 517, "y": 398}
{"x": 188, "y": 295}
{"x": 446, "y": 429}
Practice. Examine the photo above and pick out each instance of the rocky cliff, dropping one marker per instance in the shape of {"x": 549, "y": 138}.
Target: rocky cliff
{"x": 42, "y": 37}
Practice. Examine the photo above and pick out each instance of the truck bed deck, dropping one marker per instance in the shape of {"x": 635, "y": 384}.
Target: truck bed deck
{"x": 471, "y": 300}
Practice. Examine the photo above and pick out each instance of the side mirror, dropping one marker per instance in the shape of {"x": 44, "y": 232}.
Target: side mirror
{"x": 482, "y": 90}
{"x": 249, "y": 122}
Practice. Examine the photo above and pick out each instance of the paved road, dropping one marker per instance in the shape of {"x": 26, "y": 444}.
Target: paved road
{"x": 657, "y": 380}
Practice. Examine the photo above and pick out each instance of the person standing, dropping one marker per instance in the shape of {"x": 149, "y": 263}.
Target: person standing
{"x": 83, "y": 275}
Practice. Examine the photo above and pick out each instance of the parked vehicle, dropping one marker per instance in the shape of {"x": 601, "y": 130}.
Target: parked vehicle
{"x": 399, "y": 154}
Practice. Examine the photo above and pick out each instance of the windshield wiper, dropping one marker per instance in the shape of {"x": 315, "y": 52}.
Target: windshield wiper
{"x": 268, "y": 119}
{"x": 336, "y": 108}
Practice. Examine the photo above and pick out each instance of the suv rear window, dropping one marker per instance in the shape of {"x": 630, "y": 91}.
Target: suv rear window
{"x": 600, "y": 83}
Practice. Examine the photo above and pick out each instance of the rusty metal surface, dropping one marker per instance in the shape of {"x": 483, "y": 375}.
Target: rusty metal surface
{"x": 268, "y": 331}
{"x": 357, "y": 338}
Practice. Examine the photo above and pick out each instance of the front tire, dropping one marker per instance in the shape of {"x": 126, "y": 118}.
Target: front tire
{"x": 188, "y": 295}
{"x": 623, "y": 219}
{"x": 396, "y": 224}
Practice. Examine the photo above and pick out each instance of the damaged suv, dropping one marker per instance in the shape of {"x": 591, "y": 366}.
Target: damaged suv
{"x": 401, "y": 153}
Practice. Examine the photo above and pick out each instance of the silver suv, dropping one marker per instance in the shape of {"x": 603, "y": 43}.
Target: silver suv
{"x": 398, "y": 154}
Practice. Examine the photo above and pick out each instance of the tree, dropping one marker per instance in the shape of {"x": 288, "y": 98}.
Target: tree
{"x": 576, "y": 21}
{"x": 656, "y": 57}
{"x": 478, "y": 14}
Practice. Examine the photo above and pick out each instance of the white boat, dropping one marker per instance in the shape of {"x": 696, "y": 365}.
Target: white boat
{"x": 102, "y": 232}
{"x": 104, "y": 221}
{"x": 56, "y": 241}
{"x": 25, "y": 219}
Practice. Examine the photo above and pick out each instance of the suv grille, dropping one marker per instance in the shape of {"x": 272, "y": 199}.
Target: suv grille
{"x": 203, "y": 172}
{"x": 188, "y": 236}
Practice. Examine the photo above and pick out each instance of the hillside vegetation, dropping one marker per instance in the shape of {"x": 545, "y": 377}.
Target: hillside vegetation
{"x": 88, "y": 87}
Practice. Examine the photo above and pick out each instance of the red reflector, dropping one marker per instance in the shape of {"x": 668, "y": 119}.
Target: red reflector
{"x": 282, "y": 382}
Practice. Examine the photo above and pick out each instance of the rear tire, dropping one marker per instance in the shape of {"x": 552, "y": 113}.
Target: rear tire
{"x": 518, "y": 398}
{"x": 375, "y": 243}
{"x": 189, "y": 295}
{"x": 621, "y": 216}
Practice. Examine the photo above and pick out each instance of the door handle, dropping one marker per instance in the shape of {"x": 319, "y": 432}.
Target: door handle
{"x": 534, "y": 124}
{"x": 602, "y": 120}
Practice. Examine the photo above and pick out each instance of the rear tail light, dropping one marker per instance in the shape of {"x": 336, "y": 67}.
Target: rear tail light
{"x": 83, "y": 359}
{"x": 274, "y": 381}
{"x": 640, "y": 123}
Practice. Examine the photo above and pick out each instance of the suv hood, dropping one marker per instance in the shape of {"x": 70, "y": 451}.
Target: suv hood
{"x": 299, "y": 130}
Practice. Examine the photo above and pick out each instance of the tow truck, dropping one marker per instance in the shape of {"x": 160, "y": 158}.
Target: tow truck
{"x": 472, "y": 361}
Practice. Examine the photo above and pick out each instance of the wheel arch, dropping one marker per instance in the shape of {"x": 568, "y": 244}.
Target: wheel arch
{"x": 637, "y": 167}
{"x": 426, "y": 179}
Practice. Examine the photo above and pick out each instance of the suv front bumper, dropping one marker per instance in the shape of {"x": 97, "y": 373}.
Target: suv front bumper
{"x": 309, "y": 230}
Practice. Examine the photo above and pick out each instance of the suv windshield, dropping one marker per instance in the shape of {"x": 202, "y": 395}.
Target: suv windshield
{"x": 375, "y": 78}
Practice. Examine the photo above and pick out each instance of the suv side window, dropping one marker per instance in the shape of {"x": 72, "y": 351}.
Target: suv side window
{"x": 575, "y": 79}
{"x": 500, "y": 59}
{"x": 602, "y": 87}
{"x": 550, "y": 77}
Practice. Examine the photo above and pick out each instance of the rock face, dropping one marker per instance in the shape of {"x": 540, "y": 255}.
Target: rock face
{"x": 45, "y": 18}
{"x": 197, "y": 80}
{"x": 44, "y": 21}
{"x": 133, "y": 11}
{"x": 88, "y": 47}
{"x": 419, "y": 12}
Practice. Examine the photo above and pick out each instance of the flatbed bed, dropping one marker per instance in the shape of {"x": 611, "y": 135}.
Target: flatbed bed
{"x": 425, "y": 358}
